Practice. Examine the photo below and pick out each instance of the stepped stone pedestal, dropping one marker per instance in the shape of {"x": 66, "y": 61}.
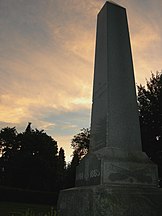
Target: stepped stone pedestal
{"x": 103, "y": 200}
{"x": 116, "y": 178}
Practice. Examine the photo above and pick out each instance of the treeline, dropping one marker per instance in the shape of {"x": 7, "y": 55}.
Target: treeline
{"x": 31, "y": 160}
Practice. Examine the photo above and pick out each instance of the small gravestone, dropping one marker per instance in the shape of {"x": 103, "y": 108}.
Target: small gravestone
{"x": 116, "y": 178}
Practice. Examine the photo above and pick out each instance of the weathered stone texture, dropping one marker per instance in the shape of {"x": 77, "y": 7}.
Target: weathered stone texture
{"x": 114, "y": 120}
{"x": 110, "y": 201}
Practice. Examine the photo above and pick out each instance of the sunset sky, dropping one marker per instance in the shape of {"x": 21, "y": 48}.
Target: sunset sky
{"x": 47, "y": 60}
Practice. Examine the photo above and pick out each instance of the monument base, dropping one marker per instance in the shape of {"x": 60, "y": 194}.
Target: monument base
{"x": 105, "y": 200}
{"x": 114, "y": 166}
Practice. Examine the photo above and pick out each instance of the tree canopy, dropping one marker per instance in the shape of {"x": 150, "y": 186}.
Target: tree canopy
{"x": 150, "y": 115}
{"x": 80, "y": 143}
{"x": 30, "y": 159}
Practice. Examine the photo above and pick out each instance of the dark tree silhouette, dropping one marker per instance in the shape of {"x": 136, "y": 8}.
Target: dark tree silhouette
{"x": 70, "y": 173}
{"x": 9, "y": 149}
{"x": 74, "y": 164}
{"x": 150, "y": 114}
{"x": 29, "y": 159}
{"x": 8, "y": 142}
{"x": 80, "y": 143}
{"x": 61, "y": 159}
{"x": 61, "y": 169}
{"x": 28, "y": 129}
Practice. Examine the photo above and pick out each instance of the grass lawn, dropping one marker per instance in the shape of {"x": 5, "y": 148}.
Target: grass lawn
{"x": 25, "y": 209}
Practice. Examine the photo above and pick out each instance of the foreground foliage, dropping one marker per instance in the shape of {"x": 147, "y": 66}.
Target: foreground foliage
{"x": 24, "y": 209}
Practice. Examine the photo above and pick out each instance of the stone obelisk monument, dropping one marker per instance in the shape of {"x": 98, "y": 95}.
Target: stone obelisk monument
{"x": 116, "y": 178}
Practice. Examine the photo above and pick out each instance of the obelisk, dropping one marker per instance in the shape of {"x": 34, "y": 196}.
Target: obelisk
{"x": 115, "y": 178}
{"x": 114, "y": 121}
